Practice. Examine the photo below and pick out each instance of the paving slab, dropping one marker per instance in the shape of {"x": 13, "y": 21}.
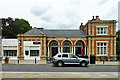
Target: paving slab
{"x": 44, "y": 62}
{"x": 60, "y": 75}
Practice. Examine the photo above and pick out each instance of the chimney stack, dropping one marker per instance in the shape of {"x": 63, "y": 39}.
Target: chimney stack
{"x": 81, "y": 26}
{"x": 93, "y": 18}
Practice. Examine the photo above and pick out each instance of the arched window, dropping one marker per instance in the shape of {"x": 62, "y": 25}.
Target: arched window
{"x": 66, "y": 46}
{"x": 54, "y": 43}
{"x": 53, "y": 48}
{"x": 78, "y": 47}
{"x": 78, "y": 43}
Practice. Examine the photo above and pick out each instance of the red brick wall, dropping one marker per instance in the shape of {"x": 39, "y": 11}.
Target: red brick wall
{"x": 109, "y": 30}
{"x": 73, "y": 41}
{"x": 95, "y": 48}
{"x": 91, "y": 30}
{"x": 60, "y": 42}
{"x": 109, "y": 47}
{"x": 113, "y": 47}
{"x": 91, "y": 47}
{"x": 86, "y": 42}
{"x": 47, "y": 42}
{"x": 113, "y": 29}
{"x": 42, "y": 47}
{"x": 94, "y": 30}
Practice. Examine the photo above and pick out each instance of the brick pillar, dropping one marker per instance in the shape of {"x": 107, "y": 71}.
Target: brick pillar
{"x": 48, "y": 51}
{"x": 40, "y": 47}
{"x": 45, "y": 47}
{"x": 115, "y": 47}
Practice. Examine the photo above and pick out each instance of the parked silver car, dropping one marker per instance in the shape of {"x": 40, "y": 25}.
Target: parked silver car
{"x": 68, "y": 58}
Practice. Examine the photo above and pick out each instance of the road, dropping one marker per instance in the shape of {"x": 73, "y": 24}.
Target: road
{"x": 50, "y": 68}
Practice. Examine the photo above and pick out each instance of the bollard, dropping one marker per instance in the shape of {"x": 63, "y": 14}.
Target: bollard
{"x": 18, "y": 60}
{"x": 103, "y": 61}
{"x": 35, "y": 60}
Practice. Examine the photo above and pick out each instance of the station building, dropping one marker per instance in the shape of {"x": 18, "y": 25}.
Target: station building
{"x": 97, "y": 37}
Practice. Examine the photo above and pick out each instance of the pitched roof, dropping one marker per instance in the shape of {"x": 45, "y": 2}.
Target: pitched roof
{"x": 57, "y": 32}
{"x": 34, "y": 31}
{"x": 63, "y": 32}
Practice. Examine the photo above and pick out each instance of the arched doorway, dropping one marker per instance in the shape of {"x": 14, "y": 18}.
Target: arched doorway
{"x": 67, "y": 46}
{"x": 79, "y": 48}
{"x": 53, "y": 48}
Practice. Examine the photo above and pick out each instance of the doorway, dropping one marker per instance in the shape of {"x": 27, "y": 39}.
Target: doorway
{"x": 54, "y": 51}
{"x": 78, "y": 51}
{"x": 53, "y": 48}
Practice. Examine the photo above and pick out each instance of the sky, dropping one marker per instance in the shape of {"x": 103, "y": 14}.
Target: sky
{"x": 59, "y": 14}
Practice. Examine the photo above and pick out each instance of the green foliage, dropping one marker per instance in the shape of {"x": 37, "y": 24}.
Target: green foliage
{"x": 118, "y": 47}
{"x": 6, "y": 58}
{"x": 117, "y": 32}
{"x": 15, "y": 27}
{"x": 118, "y": 44}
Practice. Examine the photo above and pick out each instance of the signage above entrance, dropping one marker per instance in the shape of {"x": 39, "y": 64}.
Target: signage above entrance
{"x": 36, "y": 42}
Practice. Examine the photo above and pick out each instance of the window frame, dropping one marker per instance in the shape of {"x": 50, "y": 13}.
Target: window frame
{"x": 105, "y": 29}
{"x": 31, "y": 51}
{"x": 103, "y": 51}
{"x": 9, "y": 52}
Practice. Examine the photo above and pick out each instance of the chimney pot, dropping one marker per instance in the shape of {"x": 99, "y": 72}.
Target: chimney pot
{"x": 97, "y": 17}
{"x": 93, "y": 17}
{"x": 81, "y": 24}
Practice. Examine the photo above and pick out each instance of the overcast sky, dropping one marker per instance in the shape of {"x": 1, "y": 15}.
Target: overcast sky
{"x": 59, "y": 14}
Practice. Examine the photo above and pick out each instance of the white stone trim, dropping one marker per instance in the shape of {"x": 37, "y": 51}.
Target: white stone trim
{"x": 102, "y": 26}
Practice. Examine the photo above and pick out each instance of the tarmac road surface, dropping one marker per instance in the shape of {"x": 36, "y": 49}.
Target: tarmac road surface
{"x": 50, "y": 68}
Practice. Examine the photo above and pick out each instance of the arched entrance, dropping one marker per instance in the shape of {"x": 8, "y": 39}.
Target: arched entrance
{"x": 79, "y": 48}
{"x": 53, "y": 48}
{"x": 67, "y": 46}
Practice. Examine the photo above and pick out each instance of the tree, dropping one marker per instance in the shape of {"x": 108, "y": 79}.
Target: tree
{"x": 11, "y": 28}
{"x": 118, "y": 43}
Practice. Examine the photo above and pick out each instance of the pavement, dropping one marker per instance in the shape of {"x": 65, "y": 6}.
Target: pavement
{"x": 25, "y": 62}
{"x": 60, "y": 75}
{"x": 44, "y": 62}
{"x": 21, "y": 74}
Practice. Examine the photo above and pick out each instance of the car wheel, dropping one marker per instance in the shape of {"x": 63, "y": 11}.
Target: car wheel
{"x": 83, "y": 64}
{"x": 60, "y": 64}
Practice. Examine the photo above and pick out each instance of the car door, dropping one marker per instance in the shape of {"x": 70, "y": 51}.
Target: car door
{"x": 73, "y": 59}
{"x": 65, "y": 58}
